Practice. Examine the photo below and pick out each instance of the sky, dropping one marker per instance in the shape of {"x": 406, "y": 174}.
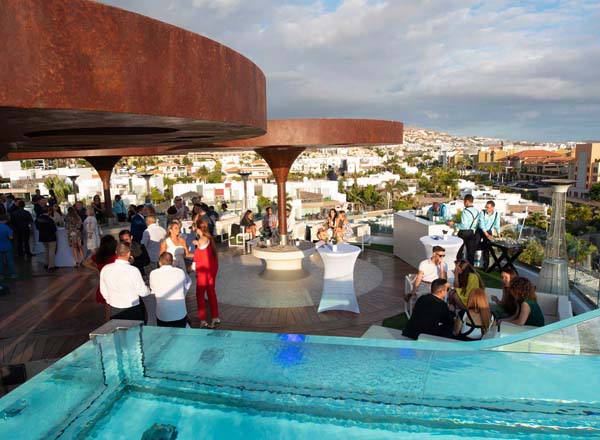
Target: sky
{"x": 516, "y": 70}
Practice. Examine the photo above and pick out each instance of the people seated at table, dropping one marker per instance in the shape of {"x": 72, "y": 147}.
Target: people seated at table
{"x": 430, "y": 269}
{"x": 169, "y": 285}
{"x": 343, "y": 231}
{"x": 487, "y": 230}
{"x": 139, "y": 254}
{"x": 176, "y": 245}
{"x": 47, "y": 236}
{"x": 507, "y": 307}
{"x": 466, "y": 279}
{"x": 476, "y": 320}
{"x": 431, "y": 314}
{"x": 440, "y": 210}
{"x": 98, "y": 209}
{"x": 329, "y": 226}
{"x": 530, "y": 312}
{"x": 269, "y": 224}
{"x": 73, "y": 225}
{"x": 248, "y": 222}
{"x": 207, "y": 266}
{"x": 91, "y": 232}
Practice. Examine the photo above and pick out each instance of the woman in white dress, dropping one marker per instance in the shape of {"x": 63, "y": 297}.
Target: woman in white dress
{"x": 91, "y": 231}
{"x": 176, "y": 245}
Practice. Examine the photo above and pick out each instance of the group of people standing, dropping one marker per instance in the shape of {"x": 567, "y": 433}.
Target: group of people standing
{"x": 158, "y": 262}
{"x": 463, "y": 311}
{"x": 81, "y": 224}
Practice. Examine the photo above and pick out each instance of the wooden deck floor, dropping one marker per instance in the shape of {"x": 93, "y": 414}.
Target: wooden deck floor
{"x": 47, "y": 315}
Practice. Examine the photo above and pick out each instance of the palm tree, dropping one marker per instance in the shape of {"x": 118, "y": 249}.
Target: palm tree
{"x": 59, "y": 185}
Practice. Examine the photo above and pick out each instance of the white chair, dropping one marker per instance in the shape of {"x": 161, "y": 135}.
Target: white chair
{"x": 361, "y": 235}
{"x": 239, "y": 238}
{"x": 409, "y": 282}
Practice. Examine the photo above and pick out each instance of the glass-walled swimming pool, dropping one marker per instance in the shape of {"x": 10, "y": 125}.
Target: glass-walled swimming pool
{"x": 189, "y": 384}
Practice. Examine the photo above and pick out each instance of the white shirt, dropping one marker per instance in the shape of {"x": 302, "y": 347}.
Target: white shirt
{"x": 170, "y": 284}
{"x": 431, "y": 271}
{"x": 151, "y": 238}
{"x": 291, "y": 222}
{"x": 121, "y": 284}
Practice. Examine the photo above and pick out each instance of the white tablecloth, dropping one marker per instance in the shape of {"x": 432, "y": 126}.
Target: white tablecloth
{"x": 452, "y": 244}
{"x": 64, "y": 253}
{"x": 338, "y": 279}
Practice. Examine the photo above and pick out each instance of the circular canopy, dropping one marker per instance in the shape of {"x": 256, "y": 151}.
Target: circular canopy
{"x": 81, "y": 75}
{"x": 313, "y": 133}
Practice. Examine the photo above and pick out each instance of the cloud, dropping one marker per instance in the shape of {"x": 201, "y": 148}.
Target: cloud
{"x": 468, "y": 67}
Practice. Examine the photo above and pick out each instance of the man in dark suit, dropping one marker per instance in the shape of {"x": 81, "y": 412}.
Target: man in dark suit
{"x": 431, "y": 314}
{"x": 138, "y": 224}
{"x": 21, "y": 221}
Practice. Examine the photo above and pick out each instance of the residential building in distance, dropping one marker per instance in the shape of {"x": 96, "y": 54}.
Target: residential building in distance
{"x": 537, "y": 165}
{"x": 585, "y": 169}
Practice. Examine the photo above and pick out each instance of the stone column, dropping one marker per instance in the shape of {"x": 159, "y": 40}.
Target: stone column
{"x": 104, "y": 166}
{"x": 280, "y": 160}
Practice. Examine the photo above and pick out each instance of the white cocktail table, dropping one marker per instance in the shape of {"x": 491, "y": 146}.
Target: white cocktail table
{"x": 452, "y": 245}
{"x": 284, "y": 258}
{"x": 338, "y": 279}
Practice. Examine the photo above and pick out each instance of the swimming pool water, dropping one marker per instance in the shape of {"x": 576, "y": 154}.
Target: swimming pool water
{"x": 223, "y": 384}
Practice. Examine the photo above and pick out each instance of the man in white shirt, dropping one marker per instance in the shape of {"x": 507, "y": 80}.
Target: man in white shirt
{"x": 121, "y": 285}
{"x": 429, "y": 270}
{"x": 291, "y": 221}
{"x": 169, "y": 285}
{"x": 151, "y": 238}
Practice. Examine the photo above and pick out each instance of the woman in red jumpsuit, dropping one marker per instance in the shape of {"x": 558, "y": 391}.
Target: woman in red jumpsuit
{"x": 207, "y": 265}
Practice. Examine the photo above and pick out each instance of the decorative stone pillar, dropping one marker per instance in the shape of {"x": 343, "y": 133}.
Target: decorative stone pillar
{"x": 147, "y": 176}
{"x": 73, "y": 181}
{"x": 554, "y": 277}
{"x": 104, "y": 166}
{"x": 280, "y": 160}
{"x": 244, "y": 175}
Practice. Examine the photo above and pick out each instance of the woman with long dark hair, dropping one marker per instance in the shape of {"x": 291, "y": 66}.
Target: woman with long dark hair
{"x": 506, "y": 307}
{"x": 329, "y": 226}
{"x": 207, "y": 266}
{"x": 248, "y": 223}
{"x": 466, "y": 279}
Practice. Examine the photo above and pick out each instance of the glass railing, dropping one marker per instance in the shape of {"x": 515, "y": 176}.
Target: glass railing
{"x": 488, "y": 385}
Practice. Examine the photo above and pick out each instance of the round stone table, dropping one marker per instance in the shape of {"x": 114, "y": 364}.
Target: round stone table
{"x": 284, "y": 258}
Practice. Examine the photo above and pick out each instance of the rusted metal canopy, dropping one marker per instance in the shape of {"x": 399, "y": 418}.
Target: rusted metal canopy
{"x": 76, "y": 74}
